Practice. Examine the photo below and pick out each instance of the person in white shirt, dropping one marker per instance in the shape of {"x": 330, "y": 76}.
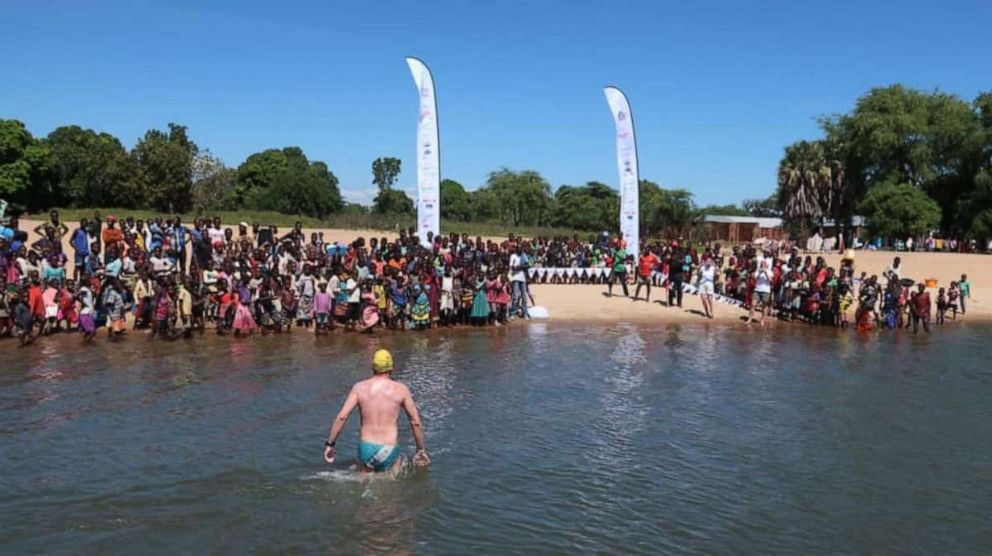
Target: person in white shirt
{"x": 707, "y": 279}
{"x": 762, "y": 293}
{"x": 85, "y": 297}
{"x": 518, "y": 282}
{"x": 160, "y": 264}
{"x": 215, "y": 232}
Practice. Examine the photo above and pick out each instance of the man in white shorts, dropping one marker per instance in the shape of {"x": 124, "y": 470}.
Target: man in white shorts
{"x": 707, "y": 277}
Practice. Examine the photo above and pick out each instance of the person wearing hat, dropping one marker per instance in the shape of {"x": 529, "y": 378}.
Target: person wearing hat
{"x": 379, "y": 400}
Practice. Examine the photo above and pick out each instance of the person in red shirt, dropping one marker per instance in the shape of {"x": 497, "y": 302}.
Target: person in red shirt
{"x": 920, "y": 306}
{"x": 645, "y": 266}
{"x": 35, "y": 301}
{"x": 112, "y": 237}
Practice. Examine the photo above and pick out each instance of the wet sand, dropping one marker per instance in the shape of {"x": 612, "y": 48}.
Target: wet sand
{"x": 587, "y": 302}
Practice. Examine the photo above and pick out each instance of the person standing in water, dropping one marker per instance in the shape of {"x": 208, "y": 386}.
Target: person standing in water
{"x": 379, "y": 400}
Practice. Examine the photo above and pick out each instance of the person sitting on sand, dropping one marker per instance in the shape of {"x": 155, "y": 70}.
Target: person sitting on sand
{"x": 379, "y": 400}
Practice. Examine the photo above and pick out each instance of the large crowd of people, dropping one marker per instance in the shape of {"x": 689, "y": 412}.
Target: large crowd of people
{"x": 778, "y": 281}
{"x": 176, "y": 280}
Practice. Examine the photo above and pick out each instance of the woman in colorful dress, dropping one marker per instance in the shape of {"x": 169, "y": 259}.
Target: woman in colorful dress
{"x": 420, "y": 309}
{"x": 243, "y": 321}
{"x": 480, "y": 306}
{"x": 370, "y": 311}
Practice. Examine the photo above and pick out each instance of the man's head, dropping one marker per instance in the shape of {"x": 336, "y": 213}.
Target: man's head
{"x": 382, "y": 362}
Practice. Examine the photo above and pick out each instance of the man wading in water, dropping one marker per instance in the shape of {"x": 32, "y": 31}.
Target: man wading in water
{"x": 379, "y": 400}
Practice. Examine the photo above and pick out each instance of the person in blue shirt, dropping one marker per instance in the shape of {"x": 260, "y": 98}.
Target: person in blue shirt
{"x": 114, "y": 263}
{"x": 80, "y": 242}
{"x": 181, "y": 236}
{"x": 8, "y": 229}
{"x": 155, "y": 229}
{"x": 53, "y": 271}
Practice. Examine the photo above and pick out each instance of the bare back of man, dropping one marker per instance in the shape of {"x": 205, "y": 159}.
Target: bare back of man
{"x": 379, "y": 400}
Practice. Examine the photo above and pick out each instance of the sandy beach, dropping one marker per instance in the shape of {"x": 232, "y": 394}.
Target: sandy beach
{"x": 588, "y": 303}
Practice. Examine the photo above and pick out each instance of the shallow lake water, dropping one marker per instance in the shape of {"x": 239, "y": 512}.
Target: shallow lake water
{"x": 545, "y": 439}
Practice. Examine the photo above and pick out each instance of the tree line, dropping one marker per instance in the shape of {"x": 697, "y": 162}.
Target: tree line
{"x": 911, "y": 162}
{"x": 165, "y": 171}
{"x": 168, "y": 172}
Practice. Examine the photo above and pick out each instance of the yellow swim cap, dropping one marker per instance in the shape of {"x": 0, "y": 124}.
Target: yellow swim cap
{"x": 382, "y": 362}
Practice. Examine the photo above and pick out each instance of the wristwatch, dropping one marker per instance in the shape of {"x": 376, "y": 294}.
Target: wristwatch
{"x": 330, "y": 444}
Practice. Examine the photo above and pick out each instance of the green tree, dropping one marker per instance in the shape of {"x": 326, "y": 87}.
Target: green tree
{"x": 385, "y": 171}
{"x": 285, "y": 180}
{"x": 258, "y": 172}
{"x": 485, "y": 205}
{"x": 24, "y": 168}
{"x": 165, "y": 169}
{"x": 809, "y": 182}
{"x": 523, "y": 198}
{"x": 667, "y": 212}
{"x": 973, "y": 215}
{"x": 456, "y": 204}
{"x": 90, "y": 169}
{"x": 214, "y": 184}
{"x": 899, "y": 211}
{"x": 393, "y": 201}
{"x": 900, "y": 135}
{"x": 594, "y": 206}
{"x": 724, "y": 210}
{"x": 389, "y": 201}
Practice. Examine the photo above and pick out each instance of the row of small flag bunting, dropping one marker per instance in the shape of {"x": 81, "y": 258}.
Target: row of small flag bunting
{"x": 582, "y": 273}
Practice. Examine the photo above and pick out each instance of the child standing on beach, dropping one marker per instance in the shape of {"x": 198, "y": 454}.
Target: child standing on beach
{"x": 965, "y": 287}
{"x": 322, "y": 309}
{"x": 846, "y": 308}
{"x": 941, "y": 306}
{"x": 953, "y": 293}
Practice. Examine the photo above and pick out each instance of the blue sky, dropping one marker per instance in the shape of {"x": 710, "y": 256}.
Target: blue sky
{"x": 717, "y": 88}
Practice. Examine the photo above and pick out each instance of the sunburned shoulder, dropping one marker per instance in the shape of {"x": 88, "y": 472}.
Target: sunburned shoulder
{"x": 393, "y": 386}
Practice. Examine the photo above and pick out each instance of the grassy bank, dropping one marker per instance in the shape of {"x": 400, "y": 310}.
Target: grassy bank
{"x": 343, "y": 221}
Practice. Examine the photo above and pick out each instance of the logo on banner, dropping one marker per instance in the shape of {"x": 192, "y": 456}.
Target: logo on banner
{"x": 425, "y": 91}
{"x": 426, "y": 113}
{"x": 621, "y": 115}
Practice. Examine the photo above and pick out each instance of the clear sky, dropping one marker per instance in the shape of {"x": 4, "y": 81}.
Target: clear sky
{"x": 717, "y": 88}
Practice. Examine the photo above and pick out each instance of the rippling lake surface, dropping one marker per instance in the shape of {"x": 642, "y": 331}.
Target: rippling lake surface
{"x": 545, "y": 439}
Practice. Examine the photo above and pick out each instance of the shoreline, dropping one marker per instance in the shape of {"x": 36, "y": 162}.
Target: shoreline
{"x": 585, "y": 303}
{"x": 595, "y": 308}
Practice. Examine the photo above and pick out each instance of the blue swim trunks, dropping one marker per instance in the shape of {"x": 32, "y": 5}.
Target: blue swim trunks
{"x": 377, "y": 457}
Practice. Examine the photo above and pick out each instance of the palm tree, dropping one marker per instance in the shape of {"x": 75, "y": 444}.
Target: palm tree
{"x": 811, "y": 184}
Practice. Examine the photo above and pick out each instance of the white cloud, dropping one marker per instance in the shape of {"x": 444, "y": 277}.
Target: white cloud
{"x": 365, "y": 195}
{"x": 360, "y": 195}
